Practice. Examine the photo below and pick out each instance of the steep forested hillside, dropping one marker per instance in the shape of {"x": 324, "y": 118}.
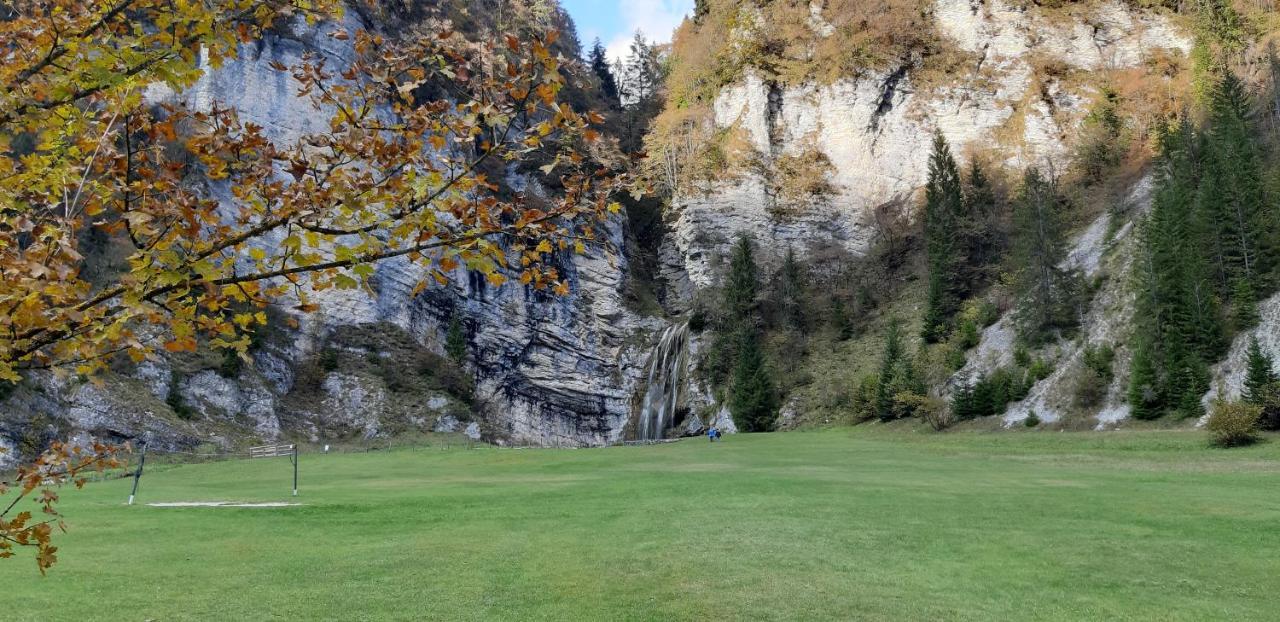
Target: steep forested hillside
{"x": 1057, "y": 213}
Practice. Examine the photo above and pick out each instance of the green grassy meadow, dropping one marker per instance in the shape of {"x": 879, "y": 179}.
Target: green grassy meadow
{"x": 848, "y": 523}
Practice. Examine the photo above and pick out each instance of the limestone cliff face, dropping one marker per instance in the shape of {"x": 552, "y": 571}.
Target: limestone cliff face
{"x": 547, "y": 370}
{"x": 875, "y": 130}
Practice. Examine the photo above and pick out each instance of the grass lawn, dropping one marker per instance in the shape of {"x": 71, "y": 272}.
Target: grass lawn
{"x": 850, "y": 523}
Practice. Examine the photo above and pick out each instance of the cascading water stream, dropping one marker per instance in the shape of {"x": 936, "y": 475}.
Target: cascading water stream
{"x": 667, "y": 363}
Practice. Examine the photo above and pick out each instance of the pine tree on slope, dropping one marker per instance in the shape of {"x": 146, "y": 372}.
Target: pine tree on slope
{"x": 1049, "y": 294}
{"x": 455, "y": 342}
{"x": 1260, "y": 375}
{"x": 789, "y": 292}
{"x": 1183, "y": 328}
{"x": 1232, "y": 190}
{"x": 944, "y": 205}
{"x": 752, "y": 400}
{"x": 890, "y": 366}
{"x": 742, "y": 285}
{"x": 980, "y": 227}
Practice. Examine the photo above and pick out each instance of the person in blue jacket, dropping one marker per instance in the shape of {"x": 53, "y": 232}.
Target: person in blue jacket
{"x": 713, "y": 434}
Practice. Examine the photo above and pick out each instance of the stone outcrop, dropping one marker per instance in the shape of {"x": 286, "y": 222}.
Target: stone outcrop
{"x": 875, "y": 130}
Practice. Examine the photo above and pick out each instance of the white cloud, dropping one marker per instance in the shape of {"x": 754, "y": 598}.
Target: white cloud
{"x": 657, "y": 19}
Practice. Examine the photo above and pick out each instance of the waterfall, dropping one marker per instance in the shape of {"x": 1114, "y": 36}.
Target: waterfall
{"x": 667, "y": 363}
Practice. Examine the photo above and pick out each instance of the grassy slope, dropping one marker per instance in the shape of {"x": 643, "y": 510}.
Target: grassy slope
{"x": 859, "y": 523}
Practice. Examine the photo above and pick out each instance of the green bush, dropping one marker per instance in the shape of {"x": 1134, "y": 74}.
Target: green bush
{"x": 955, "y": 358}
{"x": 231, "y": 364}
{"x": 174, "y": 399}
{"x": 988, "y": 313}
{"x": 930, "y": 409}
{"x": 698, "y": 319}
{"x": 1100, "y": 359}
{"x": 1032, "y": 420}
{"x": 1090, "y": 388}
{"x": 1039, "y": 370}
{"x": 967, "y": 335}
{"x": 863, "y": 400}
{"x": 329, "y": 359}
{"x": 1021, "y": 357}
{"x": 1269, "y": 400}
{"x": 1232, "y": 424}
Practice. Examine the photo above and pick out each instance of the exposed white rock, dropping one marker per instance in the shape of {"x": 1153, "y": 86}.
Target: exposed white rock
{"x": 876, "y": 129}
{"x": 1108, "y": 35}
{"x": 216, "y": 397}
{"x": 9, "y": 457}
{"x": 994, "y": 350}
{"x": 724, "y": 421}
{"x": 447, "y": 424}
{"x": 788, "y": 415}
{"x": 353, "y": 402}
{"x": 156, "y": 374}
{"x": 692, "y": 425}
{"x": 1228, "y": 375}
{"x": 1108, "y": 321}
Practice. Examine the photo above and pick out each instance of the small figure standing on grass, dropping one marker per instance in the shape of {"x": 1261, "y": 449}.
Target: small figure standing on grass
{"x": 713, "y": 434}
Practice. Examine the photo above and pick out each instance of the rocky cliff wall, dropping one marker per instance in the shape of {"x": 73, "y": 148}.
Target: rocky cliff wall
{"x": 550, "y": 370}
{"x": 875, "y": 130}
{"x": 547, "y": 370}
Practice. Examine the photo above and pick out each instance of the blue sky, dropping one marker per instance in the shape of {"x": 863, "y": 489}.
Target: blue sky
{"x": 615, "y": 21}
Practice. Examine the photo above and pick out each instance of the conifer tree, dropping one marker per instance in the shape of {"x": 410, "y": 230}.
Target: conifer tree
{"x": 600, "y": 66}
{"x": 753, "y": 400}
{"x": 890, "y": 366}
{"x": 944, "y": 204}
{"x": 789, "y": 292}
{"x": 640, "y": 79}
{"x": 455, "y": 344}
{"x": 1102, "y": 141}
{"x": 1049, "y": 293}
{"x": 841, "y": 322}
{"x": 738, "y": 311}
{"x": 1232, "y": 191}
{"x": 1144, "y": 386}
{"x": 1259, "y": 376}
{"x": 742, "y": 285}
{"x": 1182, "y": 327}
{"x": 1244, "y": 304}
{"x": 980, "y": 227}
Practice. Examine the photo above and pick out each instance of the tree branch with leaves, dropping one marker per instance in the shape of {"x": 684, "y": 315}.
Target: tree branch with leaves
{"x": 221, "y": 217}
